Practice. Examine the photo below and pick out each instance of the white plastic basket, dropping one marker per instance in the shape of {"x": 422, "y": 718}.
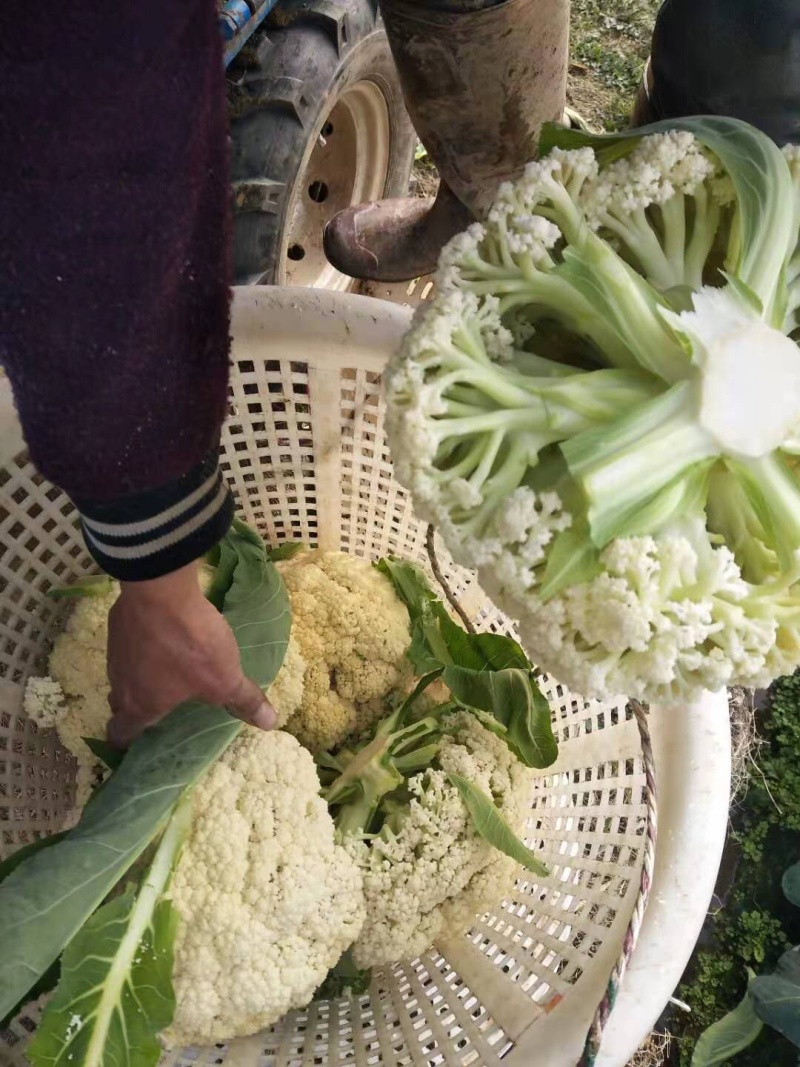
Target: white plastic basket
{"x": 305, "y": 452}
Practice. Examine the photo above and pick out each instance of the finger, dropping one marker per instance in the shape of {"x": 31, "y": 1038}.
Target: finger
{"x": 249, "y": 704}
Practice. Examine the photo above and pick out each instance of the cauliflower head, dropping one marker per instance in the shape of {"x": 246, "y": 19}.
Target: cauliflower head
{"x": 352, "y": 632}
{"x": 268, "y": 900}
{"x": 427, "y": 879}
{"x": 599, "y": 410}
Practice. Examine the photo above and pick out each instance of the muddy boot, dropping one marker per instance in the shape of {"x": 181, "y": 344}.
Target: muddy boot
{"x": 726, "y": 57}
{"x": 478, "y": 84}
{"x": 394, "y": 240}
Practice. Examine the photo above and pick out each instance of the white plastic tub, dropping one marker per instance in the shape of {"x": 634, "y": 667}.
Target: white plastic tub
{"x": 305, "y": 452}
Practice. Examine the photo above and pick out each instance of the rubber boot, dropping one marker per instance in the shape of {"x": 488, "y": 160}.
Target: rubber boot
{"x": 394, "y": 240}
{"x": 478, "y": 85}
{"x": 726, "y": 57}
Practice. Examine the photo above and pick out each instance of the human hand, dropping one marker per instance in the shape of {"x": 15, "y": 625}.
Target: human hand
{"x": 167, "y": 644}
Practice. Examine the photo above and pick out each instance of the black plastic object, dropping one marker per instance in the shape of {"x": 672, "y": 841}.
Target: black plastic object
{"x": 729, "y": 57}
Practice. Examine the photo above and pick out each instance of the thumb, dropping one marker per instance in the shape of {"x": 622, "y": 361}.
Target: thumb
{"x": 248, "y": 703}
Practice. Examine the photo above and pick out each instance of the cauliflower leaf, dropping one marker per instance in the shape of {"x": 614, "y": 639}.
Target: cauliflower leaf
{"x": 115, "y": 992}
{"x": 483, "y": 671}
{"x": 491, "y": 825}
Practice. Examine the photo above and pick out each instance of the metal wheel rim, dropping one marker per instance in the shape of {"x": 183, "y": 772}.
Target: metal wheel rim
{"x": 346, "y": 163}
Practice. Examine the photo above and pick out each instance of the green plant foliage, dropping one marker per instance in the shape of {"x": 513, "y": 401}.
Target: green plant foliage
{"x": 484, "y": 671}
{"x": 758, "y": 923}
{"x": 724, "y": 1039}
{"x": 491, "y": 825}
{"x": 776, "y": 997}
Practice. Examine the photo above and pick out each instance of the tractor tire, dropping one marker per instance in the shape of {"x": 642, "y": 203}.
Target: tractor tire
{"x": 317, "y": 123}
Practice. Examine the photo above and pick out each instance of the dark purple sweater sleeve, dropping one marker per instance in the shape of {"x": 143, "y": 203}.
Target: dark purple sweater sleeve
{"x": 114, "y": 267}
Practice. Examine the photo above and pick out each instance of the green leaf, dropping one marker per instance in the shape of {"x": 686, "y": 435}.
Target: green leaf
{"x": 728, "y": 1036}
{"x": 49, "y": 979}
{"x": 492, "y": 826}
{"x": 285, "y": 551}
{"x": 10, "y": 863}
{"x": 482, "y": 652}
{"x": 489, "y": 672}
{"x": 514, "y": 699}
{"x": 46, "y": 900}
{"x": 107, "y": 754}
{"x": 257, "y": 610}
{"x": 241, "y": 532}
{"x": 345, "y": 979}
{"x": 776, "y": 997}
{"x": 428, "y": 649}
{"x": 436, "y": 639}
{"x": 410, "y": 584}
{"x": 572, "y": 559}
{"x": 91, "y": 585}
{"x": 227, "y": 558}
{"x": 761, "y": 179}
{"x": 115, "y": 994}
{"x": 791, "y": 885}
{"x": 45, "y": 984}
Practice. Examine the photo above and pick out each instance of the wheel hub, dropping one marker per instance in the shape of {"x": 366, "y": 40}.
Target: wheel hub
{"x": 347, "y": 164}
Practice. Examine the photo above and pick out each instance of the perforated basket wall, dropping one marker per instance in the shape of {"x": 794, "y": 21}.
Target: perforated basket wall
{"x": 305, "y": 453}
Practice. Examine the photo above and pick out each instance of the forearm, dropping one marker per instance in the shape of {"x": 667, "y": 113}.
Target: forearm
{"x": 114, "y": 249}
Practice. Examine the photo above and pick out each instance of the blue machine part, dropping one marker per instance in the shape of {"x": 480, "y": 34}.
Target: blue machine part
{"x": 238, "y": 21}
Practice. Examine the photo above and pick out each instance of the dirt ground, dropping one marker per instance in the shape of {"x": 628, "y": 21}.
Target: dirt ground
{"x": 608, "y": 48}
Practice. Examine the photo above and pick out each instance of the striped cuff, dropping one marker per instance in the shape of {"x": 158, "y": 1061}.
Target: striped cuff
{"x": 150, "y": 534}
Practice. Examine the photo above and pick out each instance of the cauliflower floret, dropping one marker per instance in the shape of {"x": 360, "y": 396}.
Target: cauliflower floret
{"x": 665, "y": 615}
{"x": 268, "y": 901}
{"x": 44, "y": 701}
{"x": 428, "y": 881}
{"x": 353, "y": 633}
{"x": 78, "y": 664}
{"x": 660, "y": 167}
{"x": 286, "y": 692}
